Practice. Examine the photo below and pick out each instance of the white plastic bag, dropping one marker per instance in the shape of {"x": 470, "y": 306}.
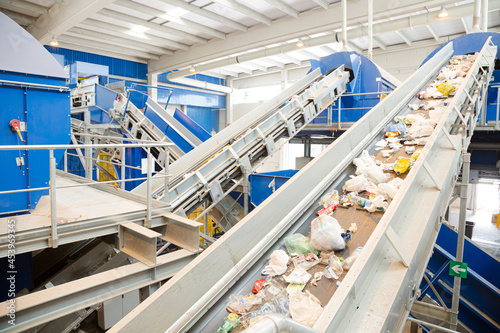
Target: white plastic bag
{"x": 326, "y": 234}
{"x": 366, "y": 166}
{"x": 377, "y": 203}
{"x": 389, "y": 190}
{"x": 355, "y": 184}
{"x": 298, "y": 275}
{"x": 277, "y": 264}
{"x": 305, "y": 308}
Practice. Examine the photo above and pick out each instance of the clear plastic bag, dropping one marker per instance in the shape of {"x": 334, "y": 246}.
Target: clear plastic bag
{"x": 326, "y": 234}
{"x": 305, "y": 308}
{"x": 243, "y": 303}
{"x": 334, "y": 268}
{"x": 355, "y": 184}
{"x": 331, "y": 199}
{"x": 366, "y": 166}
{"x": 298, "y": 275}
{"x": 297, "y": 244}
{"x": 277, "y": 263}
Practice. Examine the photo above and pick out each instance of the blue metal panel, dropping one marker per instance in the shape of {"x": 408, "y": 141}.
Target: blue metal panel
{"x": 48, "y": 119}
{"x": 170, "y": 132}
{"x": 260, "y": 188}
{"x": 47, "y": 115}
{"x": 191, "y": 125}
{"x": 480, "y": 289}
{"x": 116, "y": 66}
{"x": 363, "y": 79}
{"x": 104, "y": 99}
{"x": 206, "y": 117}
{"x": 13, "y": 177}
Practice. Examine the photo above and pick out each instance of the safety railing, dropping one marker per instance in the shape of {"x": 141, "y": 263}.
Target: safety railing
{"x": 330, "y": 122}
{"x": 150, "y": 166}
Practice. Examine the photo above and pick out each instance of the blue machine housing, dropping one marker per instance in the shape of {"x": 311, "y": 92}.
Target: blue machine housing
{"x": 33, "y": 91}
{"x": 366, "y": 83}
{"x": 469, "y": 44}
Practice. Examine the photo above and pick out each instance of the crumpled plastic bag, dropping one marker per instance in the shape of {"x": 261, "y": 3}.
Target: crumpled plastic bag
{"x": 390, "y": 189}
{"x": 326, "y": 234}
{"x": 277, "y": 264}
{"x": 242, "y": 303}
{"x": 298, "y": 275}
{"x": 366, "y": 166}
{"x": 377, "y": 203}
{"x": 298, "y": 244}
{"x": 331, "y": 198}
{"x": 355, "y": 184}
{"x": 305, "y": 308}
{"x": 420, "y": 129}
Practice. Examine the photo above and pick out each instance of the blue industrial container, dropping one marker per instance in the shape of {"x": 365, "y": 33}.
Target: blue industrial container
{"x": 262, "y": 185}
{"x": 34, "y": 96}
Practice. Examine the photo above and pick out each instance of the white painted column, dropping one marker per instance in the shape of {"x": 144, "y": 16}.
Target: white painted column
{"x": 229, "y": 104}
{"x": 370, "y": 29}
{"x": 344, "y": 25}
{"x": 153, "y": 81}
{"x": 484, "y": 16}
{"x": 476, "y": 16}
{"x": 284, "y": 78}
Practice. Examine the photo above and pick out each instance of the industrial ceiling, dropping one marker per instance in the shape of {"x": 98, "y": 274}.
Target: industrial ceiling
{"x": 207, "y": 36}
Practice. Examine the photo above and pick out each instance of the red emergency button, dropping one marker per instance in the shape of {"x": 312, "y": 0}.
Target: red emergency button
{"x": 16, "y": 127}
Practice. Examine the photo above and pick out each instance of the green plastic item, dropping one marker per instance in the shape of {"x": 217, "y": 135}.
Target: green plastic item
{"x": 229, "y": 324}
{"x": 298, "y": 244}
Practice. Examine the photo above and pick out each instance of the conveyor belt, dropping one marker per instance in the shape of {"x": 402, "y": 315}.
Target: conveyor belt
{"x": 248, "y": 148}
{"x": 380, "y": 288}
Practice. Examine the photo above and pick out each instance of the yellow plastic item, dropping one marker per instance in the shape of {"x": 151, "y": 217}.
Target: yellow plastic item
{"x": 402, "y": 165}
{"x": 446, "y": 88}
{"x": 416, "y": 154}
{"x": 210, "y": 224}
{"x": 104, "y": 159}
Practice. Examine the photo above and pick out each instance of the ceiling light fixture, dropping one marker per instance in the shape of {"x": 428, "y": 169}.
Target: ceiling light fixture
{"x": 192, "y": 69}
{"x": 54, "y": 41}
{"x": 300, "y": 43}
{"x": 443, "y": 12}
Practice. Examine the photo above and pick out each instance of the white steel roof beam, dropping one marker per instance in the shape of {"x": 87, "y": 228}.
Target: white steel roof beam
{"x": 240, "y": 69}
{"x": 61, "y": 17}
{"x": 177, "y": 22}
{"x": 309, "y": 55}
{"x": 312, "y": 22}
{"x": 207, "y": 14}
{"x": 433, "y": 32}
{"x": 106, "y": 47}
{"x": 150, "y": 25}
{"x": 21, "y": 19}
{"x": 328, "y": 49}
{"x": 254, "y": 66}
{"x": 245, "y": 10}
{"x": 403, "y": 37}
{"x": 225, "y": 71}
{"x": 322, "y": 3}
{"x": 379, "y": 42}
{"x": 283, "y": 7}
{"x": 25, "y": 7}
{"x": 118, "y": 41}
{"x": 289, "y": 59}
{"x": 354, "y": 47}
{"x": 272, "y": 62}
{"x": 104, "y": 27}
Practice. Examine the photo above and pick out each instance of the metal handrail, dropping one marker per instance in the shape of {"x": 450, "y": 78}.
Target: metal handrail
{"x": 54, "y": 239}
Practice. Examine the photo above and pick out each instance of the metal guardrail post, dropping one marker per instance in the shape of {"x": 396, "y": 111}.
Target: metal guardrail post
{"x": 460, "y": 240}
{"x": 150, "y": 167}
{"x": 54, "y": 240}
{"x": 167, "y": 171}
{"x": 340, "y": 102}
{"x": 122, "y": 167}
{"x": 246, "y": 190}
{"x": 497, "y": 124}
{"x": 65, "y": 162}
